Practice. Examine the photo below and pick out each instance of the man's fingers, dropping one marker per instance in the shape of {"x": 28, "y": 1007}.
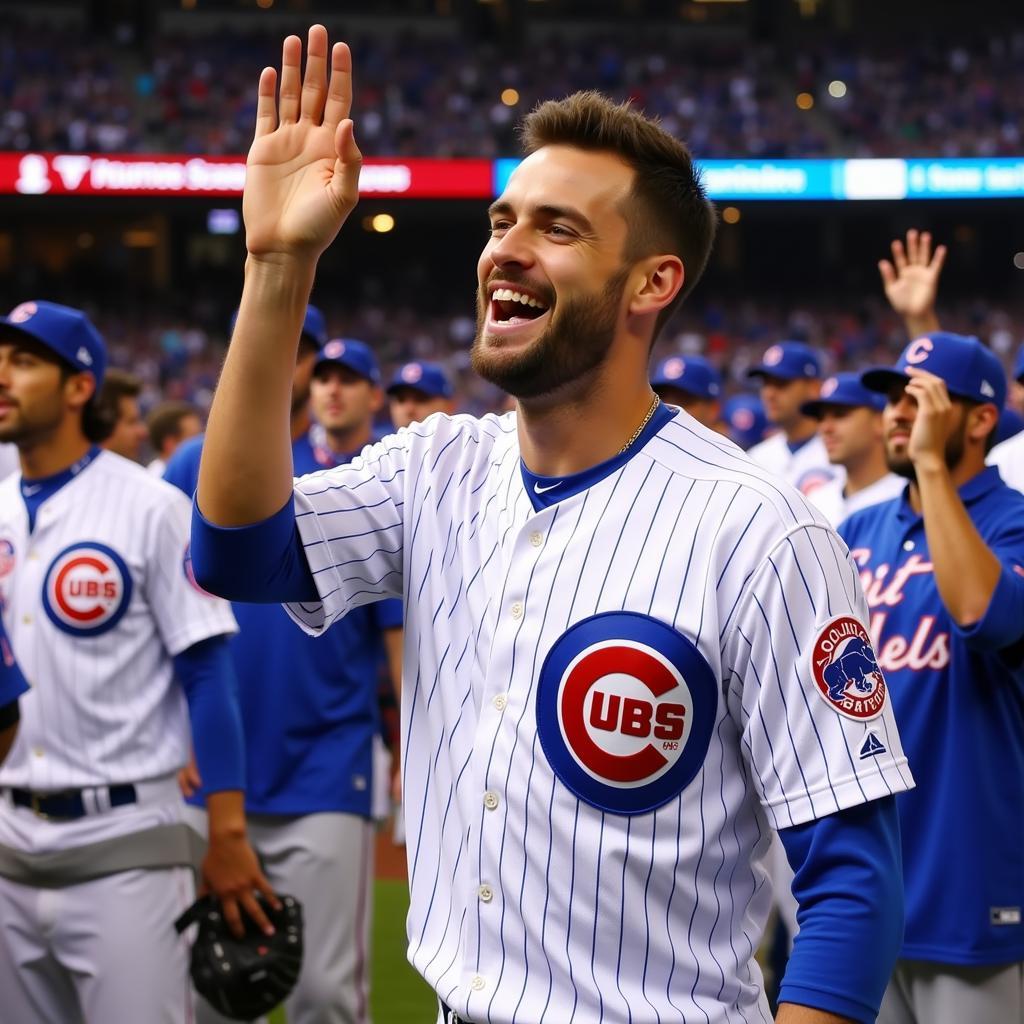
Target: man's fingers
{"x": 939, "y": 258}
{"x": 899, "y": 256}
{"x": 314, "y": 85}
{"x": 345, "y": 181}
{"x": 252, "y": 907}
{"x": 267, "y": 889}
{"x": 924, "y": 248}
{"x": 266, "y": 105}
{"x": 291, "y": 79}
{"x": 912, "y": 245}
{"x": 885, "y": 268}
{"x": 233, "y": 919}
{"x": 339, "y": 91}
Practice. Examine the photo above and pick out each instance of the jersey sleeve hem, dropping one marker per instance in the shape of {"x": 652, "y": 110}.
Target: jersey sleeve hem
{"x": 312, "y": 616}
{"x": 803, "y": 995}
{"x": 194, "y": 633}
{"x": 1002, "y": 625}
{"x": 885, "y": 780}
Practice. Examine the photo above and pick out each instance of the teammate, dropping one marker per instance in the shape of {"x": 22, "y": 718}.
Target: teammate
{"x": 309, "y": 710}
{"x": 95, "y": 858}
{"x": 943, "y": 570}
{"x": 168, "y": 424}
{"x": 744, "y": 420}
{"x": 693, "y": 384}
{"x": 790, "y": 375}
{"x": 849, "y": 420}
{"x": 12, "y": 687}
{"x": 624, "y": 640}
{"x": 417, "y": 390}
{"x": 117, "y": 405}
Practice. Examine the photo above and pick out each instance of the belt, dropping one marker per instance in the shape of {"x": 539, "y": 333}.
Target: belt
{"x": 69, "y": 804}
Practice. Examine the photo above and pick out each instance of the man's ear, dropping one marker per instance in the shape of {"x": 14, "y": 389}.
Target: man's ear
{"x": 661, "y": 280}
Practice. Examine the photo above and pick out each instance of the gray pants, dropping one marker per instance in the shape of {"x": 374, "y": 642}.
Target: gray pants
{"x": 326, "y": 862}
{"x": 921, "y": 992}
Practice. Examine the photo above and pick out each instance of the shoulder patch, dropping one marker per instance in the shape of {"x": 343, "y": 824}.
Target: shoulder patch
{"x": 845, "y": 670}
{"x": 626, "y": 706}
{"x": 87, "y": 589}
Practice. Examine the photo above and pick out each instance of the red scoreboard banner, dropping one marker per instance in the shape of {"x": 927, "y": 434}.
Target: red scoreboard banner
{"x": 133, "y": 174}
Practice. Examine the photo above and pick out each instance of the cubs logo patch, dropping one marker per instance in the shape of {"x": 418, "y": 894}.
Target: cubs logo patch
{"x": 810, "y": 481}
{"x": 87, "y": 589}
{"x": 6, "y": 557}
{"x": 845, "y": 670}
{"x": 626, "y": 707}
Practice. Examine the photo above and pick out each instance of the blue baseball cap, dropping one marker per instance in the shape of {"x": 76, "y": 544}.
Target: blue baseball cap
{"x": 427, "y": 378}
{"x": 356, "y": 355}
{"x": 1018, "y": 365}
{"x": 67, "y": 332}
{"x": 745, "y": 418}
{"x": 1011, "y": 423}
{"x": 789, "y": 360}
{"x": 843, "y": 389}
{"x": 314, "y": 326}
{"x": 692, "y": 374}
{"x": 969, "y": 369}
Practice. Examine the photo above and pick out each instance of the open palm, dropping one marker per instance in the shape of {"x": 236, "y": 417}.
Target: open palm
{"x": 911, "y": 280}
{"x": 302, "y": 173}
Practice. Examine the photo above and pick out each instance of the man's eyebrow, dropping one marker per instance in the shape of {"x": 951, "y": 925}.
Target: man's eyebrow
{"x": 548, "y": 211}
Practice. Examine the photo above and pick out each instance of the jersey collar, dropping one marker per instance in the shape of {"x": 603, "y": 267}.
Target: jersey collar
{"x": 35, "y": 492}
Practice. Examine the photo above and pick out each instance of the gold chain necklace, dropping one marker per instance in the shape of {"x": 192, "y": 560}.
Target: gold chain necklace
{"x": 643, "y": 423}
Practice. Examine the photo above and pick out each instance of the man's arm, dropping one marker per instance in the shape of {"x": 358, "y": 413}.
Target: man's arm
{"x": 302, "y": 179}
{"x": 911, "y": 281}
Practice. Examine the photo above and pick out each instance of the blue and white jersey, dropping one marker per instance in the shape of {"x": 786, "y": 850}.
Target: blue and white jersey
{"x": 804, "y": 466}
{"x": 1008, "y": 458}
{"x": 608, "y": 701}
{"x": 958, "y": 695}
{"x": 309, "y": 709}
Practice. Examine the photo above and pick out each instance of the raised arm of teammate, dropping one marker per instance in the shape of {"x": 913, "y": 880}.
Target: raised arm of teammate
{"x": 911, "y": 281}
{"x": 302, "y": 181}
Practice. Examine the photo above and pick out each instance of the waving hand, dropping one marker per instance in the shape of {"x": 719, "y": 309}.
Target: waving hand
{"x": 302, "y": 173}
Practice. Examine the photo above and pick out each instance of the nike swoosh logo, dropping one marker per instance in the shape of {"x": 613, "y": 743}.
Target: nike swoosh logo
{"x": 550, "y": 487}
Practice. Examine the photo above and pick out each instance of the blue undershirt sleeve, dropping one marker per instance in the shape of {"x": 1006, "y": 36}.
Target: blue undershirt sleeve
{"x": 207, "y": 675}
{"x": 849, "y": 886}
{"x": 264, "y": 563}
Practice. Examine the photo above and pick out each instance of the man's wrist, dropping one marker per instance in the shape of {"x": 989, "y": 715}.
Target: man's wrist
{"x": 225, "y": 812}
{"x": 926, "y": 323}
{"x": 930, "y": 467}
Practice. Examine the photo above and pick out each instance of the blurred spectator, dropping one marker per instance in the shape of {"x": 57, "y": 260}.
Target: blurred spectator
{"x": 117, "y": 406}
{"x": 170, "y": 423}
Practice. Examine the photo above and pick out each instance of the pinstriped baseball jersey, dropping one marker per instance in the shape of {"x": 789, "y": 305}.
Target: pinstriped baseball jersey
{"x": 606, "y": 704}
{"x": 97, "y": 599}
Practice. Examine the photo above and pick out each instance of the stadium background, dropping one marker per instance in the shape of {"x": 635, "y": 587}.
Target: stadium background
{"x": 757, "y": 82}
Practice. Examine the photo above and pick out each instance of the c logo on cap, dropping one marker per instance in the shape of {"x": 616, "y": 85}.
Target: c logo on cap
{"x": 829, "y": 387}
{"x": 334, "y": 349}
{"x": 412, "y": 372}
{"x": 87, "y": 589}
{"x": 675, "y": 368}
{"x": 625, "y": 710}
{"x": 23, "y": 312}
{"x": 773, "y": 356}
{"x": 919, "y": 351}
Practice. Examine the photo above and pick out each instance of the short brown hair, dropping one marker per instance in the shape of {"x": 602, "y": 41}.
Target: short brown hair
{"x": 669, "y": 209}
{"x": 164, "y": 421}
{"x": 102, "y": 418}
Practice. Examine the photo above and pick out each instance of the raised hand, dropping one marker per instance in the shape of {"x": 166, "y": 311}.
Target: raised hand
{"x": 911, "y": 280}
{"x": 302, "y": 173}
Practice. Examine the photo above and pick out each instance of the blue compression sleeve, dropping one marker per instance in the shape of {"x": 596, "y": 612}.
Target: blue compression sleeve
{"x": 207, "y": 675}
{"x": 262, "y": 564}
{"x": 849, "y": 886}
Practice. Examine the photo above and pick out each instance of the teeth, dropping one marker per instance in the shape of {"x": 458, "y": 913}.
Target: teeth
{"x": 508, "y": 295}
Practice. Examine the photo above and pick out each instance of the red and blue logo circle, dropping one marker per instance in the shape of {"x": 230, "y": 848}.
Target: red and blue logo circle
{"x": 87, "y": 589}
{"x": 626, "y": 707}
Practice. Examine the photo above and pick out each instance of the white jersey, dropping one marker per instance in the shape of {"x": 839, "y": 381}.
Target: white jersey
{"x": 1009, "y": 457}
{"x": 835, "y": 506}
{"x": 97, "y": 599}
{"x": 10, "y": 461}
{"x": 806, "y": 469}
{"x": 606, "y": 704}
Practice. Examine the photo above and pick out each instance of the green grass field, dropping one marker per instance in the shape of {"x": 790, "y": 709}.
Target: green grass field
{"x": 397, "y": 994}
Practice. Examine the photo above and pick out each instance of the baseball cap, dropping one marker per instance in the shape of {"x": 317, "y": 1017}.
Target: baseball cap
{"x": 427, "y": 378}
{"x": 1011, "y": 423}
{"x": 969, "y": 369}
{"x": 356, "y": 355}
{"x": 314, "y": 326}
{"x": 745, "y": 418}
{"x": 843, "y": 389}
{"x": 692, "y": 374}
{"x": 65, "y": 331}
{"x": 788, "y": 360}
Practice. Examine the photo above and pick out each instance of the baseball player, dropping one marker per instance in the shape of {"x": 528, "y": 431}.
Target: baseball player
{"x": 117, "y": 405}
{"x": 625, "y": 642}
{"x": 309, "y": 711}
{"x": 12, "y": 686}
{"x": 693, "y": 384}
{"x": 849, "y": 420}
{"x": 169, "y": 424}
{"x": 418, "y": 390}
{"x": 790, "y": 375}
{"x": 943, "y": 571}
{"x": 744, "y": 420}
{"x": 1008, "y": 456}
{"x": 122, "y": 650}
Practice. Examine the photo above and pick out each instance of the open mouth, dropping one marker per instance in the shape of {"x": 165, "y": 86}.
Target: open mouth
{"x": 512, "y": 308}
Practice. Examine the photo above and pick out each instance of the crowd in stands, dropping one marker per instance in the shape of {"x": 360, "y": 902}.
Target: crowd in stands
{"x": 439, "y": 94}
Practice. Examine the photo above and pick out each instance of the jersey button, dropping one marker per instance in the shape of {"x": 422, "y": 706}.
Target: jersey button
{"x": 500, "y": 702}
{"x": 477, "y": 984}
{"x": 517, "y": 610}
{"x": 38, "y": 751}
{"x": 486, "y": 893}
{"x": 490, "y": 800}
{"x": 536, "y": 538}
{"x": 908, "y": 545}
{"x": 27, "y": 619}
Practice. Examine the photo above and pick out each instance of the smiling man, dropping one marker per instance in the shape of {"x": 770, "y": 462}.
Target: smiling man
{"x": 624, "y": 652}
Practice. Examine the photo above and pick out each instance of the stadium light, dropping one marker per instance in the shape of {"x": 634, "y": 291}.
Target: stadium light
{"x": 804, "y": 100}
{"x": 837, "y": 89}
